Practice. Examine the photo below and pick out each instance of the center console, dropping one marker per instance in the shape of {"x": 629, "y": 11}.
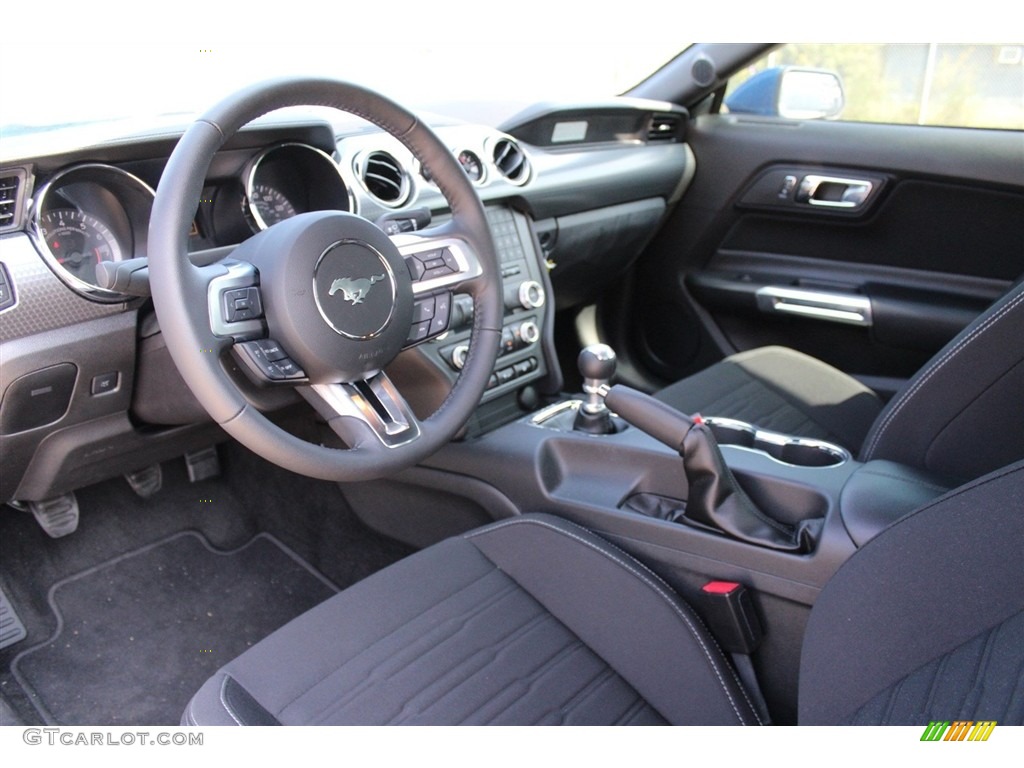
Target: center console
{"x": 526, "y": 363}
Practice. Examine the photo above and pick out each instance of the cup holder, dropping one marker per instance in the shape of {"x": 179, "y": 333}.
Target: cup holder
{"x": 797, "y": 451}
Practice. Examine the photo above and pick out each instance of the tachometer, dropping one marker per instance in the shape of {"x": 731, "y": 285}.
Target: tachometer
{"x": 86, "y": 215}
{"x": 78, "y": 241}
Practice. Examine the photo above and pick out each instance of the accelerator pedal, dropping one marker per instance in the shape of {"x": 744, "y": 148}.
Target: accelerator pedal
{"x": 58, "y": 516}
{"x": 203, "y": 465}
{"x": 11, "y": 629}
{"x": 147, "y": 481}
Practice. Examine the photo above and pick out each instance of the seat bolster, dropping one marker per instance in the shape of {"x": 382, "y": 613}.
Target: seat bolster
{"x": 961, "y": 414}
{"x": 624, "y": 613}
{"x": 926, "y": 586}
{"x": 223, "y": 701}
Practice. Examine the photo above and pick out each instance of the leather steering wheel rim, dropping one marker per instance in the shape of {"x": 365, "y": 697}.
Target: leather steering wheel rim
{"x": 180, "y": 289}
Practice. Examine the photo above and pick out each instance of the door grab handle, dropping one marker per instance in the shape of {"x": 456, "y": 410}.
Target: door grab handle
{"x": 821, "y": 305}
{"x": 833, "y": 192}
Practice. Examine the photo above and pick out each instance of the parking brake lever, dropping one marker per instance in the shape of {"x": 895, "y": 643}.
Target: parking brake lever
{"x": 715, "y": 499}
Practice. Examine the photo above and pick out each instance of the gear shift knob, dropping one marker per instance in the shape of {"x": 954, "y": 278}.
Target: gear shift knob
{"x": 597, "y": 366}
{"x": 597, "y": 363}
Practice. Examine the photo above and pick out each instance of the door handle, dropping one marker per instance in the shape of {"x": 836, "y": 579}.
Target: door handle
{"x": 847, "y": 308}
{"x": 833, "y": 191}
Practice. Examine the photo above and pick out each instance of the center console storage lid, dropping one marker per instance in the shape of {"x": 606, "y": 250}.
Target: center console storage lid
{"x": 880, "y": 492}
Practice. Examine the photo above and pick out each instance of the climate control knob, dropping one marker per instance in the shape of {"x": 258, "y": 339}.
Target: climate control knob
{"x": 529, "y": 332}
{"x": 528, "y": 294}
{"x": 459, "y": 356}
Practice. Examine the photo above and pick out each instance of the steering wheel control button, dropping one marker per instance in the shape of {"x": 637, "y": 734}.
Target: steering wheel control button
{"x": 355, "y": 289}
{"x": 442, "y": 313}
{"x": 432, "y": 264}
{"x": 416, "y": 268}
{"x": 423, "y": 310}
{"x": 267, "y": 360}
{"x": 419, "y": 332}
{"x": 242, "y": 304}
{"x": 430, "y": 317}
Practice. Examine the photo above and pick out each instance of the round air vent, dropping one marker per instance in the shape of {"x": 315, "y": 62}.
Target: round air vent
{"x": 384, "y": 178}
{"x": 511, "y": 161}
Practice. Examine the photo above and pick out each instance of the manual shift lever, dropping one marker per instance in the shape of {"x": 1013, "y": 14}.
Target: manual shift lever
{"x": 597, "y": 366}
{"x": 715, "y": 498}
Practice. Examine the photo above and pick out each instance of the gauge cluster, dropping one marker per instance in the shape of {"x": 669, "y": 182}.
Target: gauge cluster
{"x": 88, "y": 214}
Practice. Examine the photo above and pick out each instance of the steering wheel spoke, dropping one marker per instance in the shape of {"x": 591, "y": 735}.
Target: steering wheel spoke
{"x": 267, "y": 362}
{"x": 437, "y": 261}
{"x": 234, "y": 300}
{"x": 365, "y": 411}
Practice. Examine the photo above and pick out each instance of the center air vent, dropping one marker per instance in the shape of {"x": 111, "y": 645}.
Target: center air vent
{"x": 664, "y": 127}
{"x": 511, "y": 161}
{"x": 384, "y": 178}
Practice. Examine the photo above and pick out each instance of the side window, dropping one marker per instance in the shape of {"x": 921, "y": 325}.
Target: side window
{"x": 972, "y": 86}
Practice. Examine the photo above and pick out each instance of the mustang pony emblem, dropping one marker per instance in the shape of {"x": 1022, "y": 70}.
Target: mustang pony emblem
{"x": 354, "y": 290}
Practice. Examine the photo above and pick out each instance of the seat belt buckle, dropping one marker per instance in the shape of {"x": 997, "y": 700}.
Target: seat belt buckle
{"x": 731, "y": 616}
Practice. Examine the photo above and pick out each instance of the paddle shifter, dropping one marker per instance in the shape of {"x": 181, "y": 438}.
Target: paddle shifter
{"x": 715, "y": 499}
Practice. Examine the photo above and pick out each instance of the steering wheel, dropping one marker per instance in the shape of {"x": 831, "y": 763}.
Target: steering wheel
{"x": 323, "y": 301}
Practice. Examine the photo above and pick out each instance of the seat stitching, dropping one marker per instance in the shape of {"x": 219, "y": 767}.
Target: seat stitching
{"x": 633, "y": 712}
{"x": 371, "y": 675}
{"x": 487, "y": 656}
{"x": 298, "y": 695}
{"x": 591, "y": 689}
{"x": 530, "y": 679}
{"x": 654, "y": 587}
{"x": 905, "y": 398}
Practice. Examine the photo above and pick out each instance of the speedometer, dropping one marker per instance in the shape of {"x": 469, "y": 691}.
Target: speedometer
{"x": 78, "y": 241}
{"x": 271, "y": 204}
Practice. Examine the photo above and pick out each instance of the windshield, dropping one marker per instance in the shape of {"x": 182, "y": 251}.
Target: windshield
{"x": 463, "y": 71}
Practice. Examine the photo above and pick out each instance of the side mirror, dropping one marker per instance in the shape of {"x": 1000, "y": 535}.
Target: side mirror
{"x": 793, "y": 92}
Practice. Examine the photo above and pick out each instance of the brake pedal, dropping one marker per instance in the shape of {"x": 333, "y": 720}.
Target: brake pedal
{"x": 58, "y": 516}
{"x": 203, "y": 465}
{"x": 147, "y": 481}
{"x": 11, "y": 629}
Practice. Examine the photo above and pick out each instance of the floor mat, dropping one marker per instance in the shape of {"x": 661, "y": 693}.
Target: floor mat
{"x": 138, "y": 635}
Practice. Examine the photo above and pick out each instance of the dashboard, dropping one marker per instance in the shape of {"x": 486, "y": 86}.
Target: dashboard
{"x": 88, "y": 390}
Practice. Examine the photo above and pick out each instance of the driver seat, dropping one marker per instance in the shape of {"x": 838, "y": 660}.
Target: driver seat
{"x": 535, "y": 620}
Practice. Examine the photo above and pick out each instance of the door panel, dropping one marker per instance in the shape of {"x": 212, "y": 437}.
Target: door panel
{"x": 874, "y": 288}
